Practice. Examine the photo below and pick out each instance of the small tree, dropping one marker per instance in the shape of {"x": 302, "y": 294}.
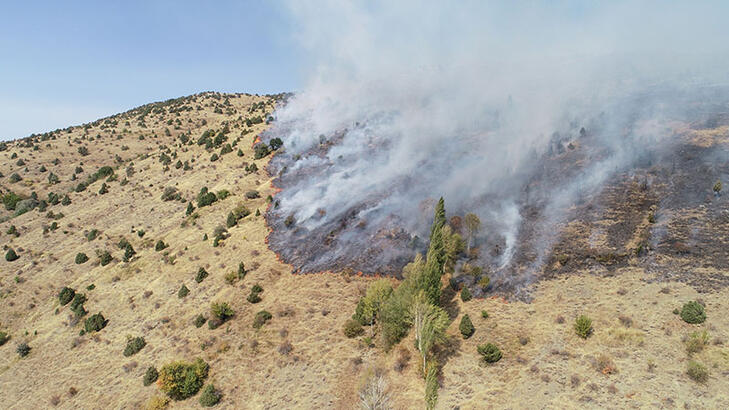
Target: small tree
{"x": 473, "y": 225}
{"x": 465, "y": 294}
{"x": 466, "y": 327}
{"x": 429, "y": 322}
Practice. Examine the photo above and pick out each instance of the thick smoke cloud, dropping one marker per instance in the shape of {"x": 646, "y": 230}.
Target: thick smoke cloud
{"x": 410, "y": 101}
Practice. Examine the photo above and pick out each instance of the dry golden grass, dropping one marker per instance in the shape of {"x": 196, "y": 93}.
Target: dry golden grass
{"x": 300, "y": 359}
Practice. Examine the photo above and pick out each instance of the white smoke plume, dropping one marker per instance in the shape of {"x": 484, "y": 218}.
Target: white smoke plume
{"x": 408, "y": 101}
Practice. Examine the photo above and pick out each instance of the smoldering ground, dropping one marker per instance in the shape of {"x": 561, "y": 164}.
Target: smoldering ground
{"x": 516, "y": 113}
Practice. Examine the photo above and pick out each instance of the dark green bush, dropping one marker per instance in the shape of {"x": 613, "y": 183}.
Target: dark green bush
{"x": 693, "y": 312}
{"x": 484, "y": 314}
{"x": 260, "y": 150}
{"x": 105, "y": 258}
{"x": 352, "y": 328}
{"x": 81, "y": 258}
{"x": 252, "y": 195}
{"x": 184, "y": 291}
{"x": 490, "y": 353}
{"x": 66, "y": 295}
{"x": 201, "y": 275}
{"x": 66, "y": 200}
{"x": 129, "y": 252}
{"x": 241, "y": 271}
{"x": 15, "y": 177}
{"x": 160, "y": 245}
{"x": 199, "y": 320}
{"x": 150, "y": 376}
{"x": 10, "y": 255}
{"x": 92, "y": 234}
{"x": 254, "y": 296}
{"x": 23, "y": 349}
{"x": 4, "y": 337}
{"x": 261, "y": 318}
{"x": 583, "y": 326}
{"x": 210, "y": 396}
{"x": 134, "y": 345}
{"x": 205, "y": 198}
{"x": 190, "y": 209}
{"x": 95, "y": 323}
{"x": 181, "y": 380}
{"x": 104, "y": 189}
{"x": 465, "y": 294}
{"x": 466, "y": 327}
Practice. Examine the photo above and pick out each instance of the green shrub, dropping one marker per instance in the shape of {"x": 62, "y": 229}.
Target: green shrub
{"x": 81, "y": 258}
{"x": 104, "y": 189}
{"x": 15, "y": 177}
{"x": 66, "y": 295}
{"x": 241, "y": 271}
{"x": 95, "y": 323}
{"x": 490, "y": 353}
{"x": 92, "y": 234}
{"x": 466, "y": 327}
{"x": 261, "y": 318}
{"x": 105, "y": 258}
{"x": 205, "y": 198}
{"x": 134, "y": 345}
{"x": 77, "y": 304}
{"x": 697, "y": 372}
{"x": 150, "y": 376}
{"x": 66, "y": 200}
{"x": 221, "y": 311}
{"x": 199, "y": 320}
{"x": 13, "y": 231}
{"x": 160, "y": 245}
{"x": 184, "y": 291}
{"x": 210, "y": 396}
{"x": 129, "y": 252}
{"x": 190, "y": 209}
{"x": 223, "y": 193}
{"x": 254, "y": 296}
{"x": 252, "y": 195}
{"x": 693, "y": 312}
{"x": 465, "y": 294}
{"x": 180, "y": 380}
{"x": 4, "y": 337}
{"x": 10, "y": 255}
{"x": 583, "y": 326}
{"x": 352, "y": 328}
{"x": 201, "y": 275}
{"x": 10, "y": 200}
{"x": 484, "y": 314}
{"x": 260, "y": 150}
{"x": 23, "y": 349}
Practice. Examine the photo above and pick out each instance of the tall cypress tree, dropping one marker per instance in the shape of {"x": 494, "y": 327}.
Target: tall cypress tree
{"x": 436, "y": 255}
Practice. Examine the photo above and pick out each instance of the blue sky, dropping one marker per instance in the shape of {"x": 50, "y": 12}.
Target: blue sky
{"x": 65, "y": 63}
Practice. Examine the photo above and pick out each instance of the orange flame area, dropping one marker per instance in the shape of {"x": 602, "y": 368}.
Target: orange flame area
{"x": 256, "y": 141}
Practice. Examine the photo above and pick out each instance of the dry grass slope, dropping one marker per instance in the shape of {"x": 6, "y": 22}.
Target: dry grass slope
{"x": 300, "y": 358}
